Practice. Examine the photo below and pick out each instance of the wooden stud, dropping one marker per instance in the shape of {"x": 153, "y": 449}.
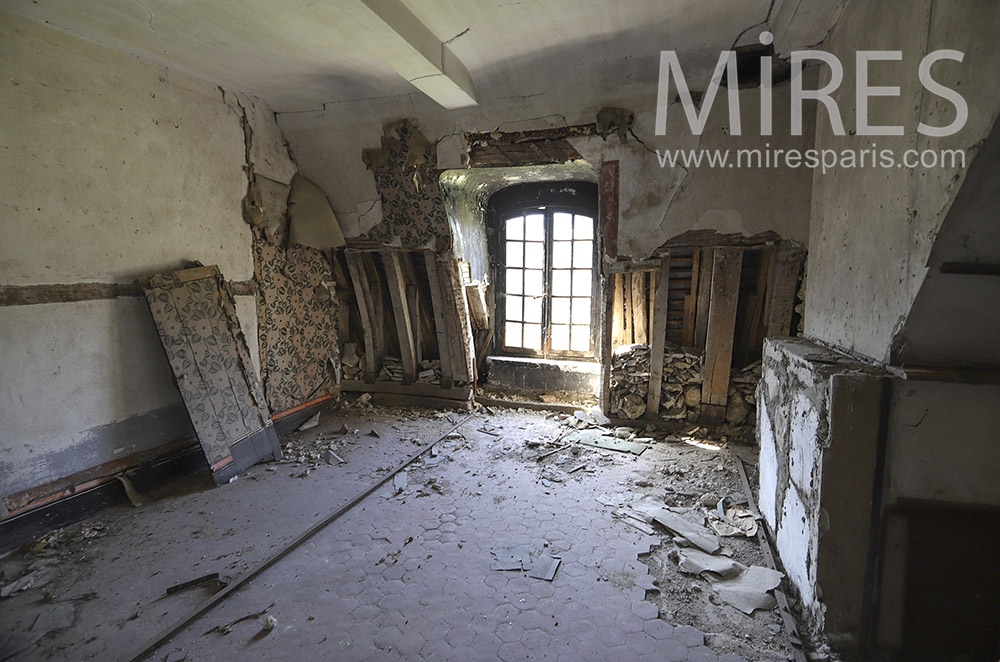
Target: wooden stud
{"x": 607, "y": 338}
{"x": 618, "y": 317}
{"x": 627, "y": 317}
{"x": 639, "y": 307}
{"x": 401, "y": 312}
{"x": 704, "y": 298}
{"x": 440, "y": 320}
{"x": 658, "y": 340}
{"x": 784, "y": 278}
{"x": 359, "y": 279}
{"x": 721, "y": 328}
{"x": 690, "y": 303}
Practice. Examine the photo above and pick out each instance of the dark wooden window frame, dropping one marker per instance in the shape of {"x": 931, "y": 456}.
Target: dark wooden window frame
{"x": 573, "y": 197}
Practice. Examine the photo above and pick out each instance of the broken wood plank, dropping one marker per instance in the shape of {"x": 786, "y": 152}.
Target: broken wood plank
{"x": 639, "y": 332}
{"x": 606, "y": 340}
{"x": 721, "y": 328}
{"x": 618, "y": 318}
{"x": 359, "y": 279}
{"x": 784, "y": 278}
{"x": 704, "y": 297}
{"x": 690, "y": 303}
{"x": 401, "y": 313}
{"x": 607, "y": 199}
{"x": 440, "y": 321}
{"x": 658, "y": 340}
{"x": 627, "y": 319}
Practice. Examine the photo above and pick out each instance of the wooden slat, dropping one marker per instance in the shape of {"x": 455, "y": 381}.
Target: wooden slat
{"x": 607, "y": 201}
{"x": 618, "y": 318}
{"x": 359, "y": 279}
{"x": 721, "y": 327}
{"x": 690, "y": 303}
{"x": 401, "y": 312}
{"x": 783, "y": 278}
{"x": 440, "y": 319}
{"x": 639, "y": 323}
{"x": 606, "y": 339}
{"x": 628, "y": 331}
{"x": 658, "y": 340}
{"x": 704, "y": 297}
{"x": 755, "y": 330}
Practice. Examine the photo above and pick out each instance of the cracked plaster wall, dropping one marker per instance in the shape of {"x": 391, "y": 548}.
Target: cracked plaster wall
{"x": 872, "y": 230}
{"x": 113, "y": 168}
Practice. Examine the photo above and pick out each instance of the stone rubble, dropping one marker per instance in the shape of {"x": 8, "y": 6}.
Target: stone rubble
{"x": 352, "y": 362}
{"x": 680, "y": 395}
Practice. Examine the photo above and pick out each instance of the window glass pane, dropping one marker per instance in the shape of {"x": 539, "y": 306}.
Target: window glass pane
{"x": 562, "y": 226}
{"x": 583, "y": 228}
{"x": 533, "y": 309}
{"x": 534, "y": 227}
{"x": 581, "y": 310}
{"x": 532, "y": 336}
{"x": 533, "y": 283}
{"x": 512, "y": 334}
{"x": 515, "y": 228}
{"x": 562, "y": 254}
{"x": 581, "y": 339}
{"x": 583, "y": 255}
{"x": 514, "y": 308}
{"x": 514, "y": 281}
{"x": 515, "y": 254}
{"x": 560, "y": 337}
{"x": 560, "y": 283}
{"x": 581, "y": 282}
{"x": 534, "y": 255}
{"x": 560, "y": 310}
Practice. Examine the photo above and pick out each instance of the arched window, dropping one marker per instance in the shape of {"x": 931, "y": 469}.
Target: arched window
{"x": 544, "y": 256}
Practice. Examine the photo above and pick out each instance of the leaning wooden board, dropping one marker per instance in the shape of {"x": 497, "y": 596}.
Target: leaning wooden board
{"x": 195, "y": 314}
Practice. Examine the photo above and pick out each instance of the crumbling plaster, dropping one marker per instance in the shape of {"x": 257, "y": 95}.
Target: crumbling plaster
{"x": 872, "y": 229}
{"x": 113, "y": 168}
{"x": 818, "y": 424}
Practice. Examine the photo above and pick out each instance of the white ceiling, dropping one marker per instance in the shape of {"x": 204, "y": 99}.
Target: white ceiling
{"x": 301, "y": 54}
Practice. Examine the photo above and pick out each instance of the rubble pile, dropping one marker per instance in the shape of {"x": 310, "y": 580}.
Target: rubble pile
{"x": 742, "y": 406}
{"x": 629, "y": 380}
{"x": 680, "y": 395}
{"x": 351, "y": 362}
{"x": 352, "y": 367}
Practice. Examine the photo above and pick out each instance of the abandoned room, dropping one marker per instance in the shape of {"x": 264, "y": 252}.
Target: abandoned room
{"x": 495, "y": 330}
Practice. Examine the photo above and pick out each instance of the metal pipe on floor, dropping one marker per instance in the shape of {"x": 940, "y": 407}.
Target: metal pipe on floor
{"x": 215, "y": 599}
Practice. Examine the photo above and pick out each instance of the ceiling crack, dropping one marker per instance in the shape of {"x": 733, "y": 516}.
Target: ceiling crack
{"x": 149, "y": 22}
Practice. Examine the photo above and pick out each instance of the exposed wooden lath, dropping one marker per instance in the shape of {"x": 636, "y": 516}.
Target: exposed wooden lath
{"x": 522, "y": 148}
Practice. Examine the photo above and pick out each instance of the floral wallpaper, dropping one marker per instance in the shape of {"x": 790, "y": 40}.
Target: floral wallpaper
{"x": 407, "y": 180}
{"x": 296, "y": 318}
{"x": 195, "y": 315}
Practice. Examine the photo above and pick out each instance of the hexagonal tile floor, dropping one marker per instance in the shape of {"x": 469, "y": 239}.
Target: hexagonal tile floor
{"x": 407, "y": 576}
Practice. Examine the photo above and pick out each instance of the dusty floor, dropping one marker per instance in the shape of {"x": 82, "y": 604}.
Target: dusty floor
{"x": 405, "y": 574}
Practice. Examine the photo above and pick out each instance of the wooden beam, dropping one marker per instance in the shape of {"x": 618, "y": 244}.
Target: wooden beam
{"x": 639, "y": 330}
{"x": 658, "y": 340}
{"x": 606, "y": 339}
{"x": 618, "y": 316}
{"x": 401, "y": 312}
{"x": 627, "y": 319}
{"x": 690, "y": 303}
{"x": 705, "y": 262}
{"x": 440, "y": 320}
{"x": 607, "y": 202}
{"x": 721, "y": 328}
{"x": 784, "y": 278}
{"x": 359, "y": 279}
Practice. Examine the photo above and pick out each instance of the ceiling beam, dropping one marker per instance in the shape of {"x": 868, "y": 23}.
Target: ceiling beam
{"x": 411, "y": 50}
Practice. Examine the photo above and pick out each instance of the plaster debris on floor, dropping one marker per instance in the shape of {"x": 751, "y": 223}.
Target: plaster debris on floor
{"x": 516, "y": 539}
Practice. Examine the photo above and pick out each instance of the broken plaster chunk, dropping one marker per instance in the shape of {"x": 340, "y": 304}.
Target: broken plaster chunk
{"x": 751, "y": 590}
{"x": 270, "y": 623}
